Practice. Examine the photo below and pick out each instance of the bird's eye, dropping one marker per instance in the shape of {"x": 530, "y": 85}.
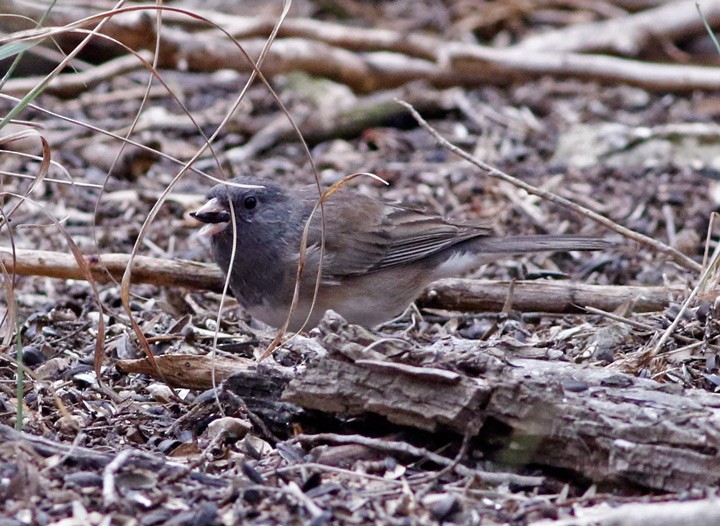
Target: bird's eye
{"x": 250, "y": 202}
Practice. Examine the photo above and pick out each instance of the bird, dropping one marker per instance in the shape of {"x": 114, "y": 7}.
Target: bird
{"x": 374, "y": 256}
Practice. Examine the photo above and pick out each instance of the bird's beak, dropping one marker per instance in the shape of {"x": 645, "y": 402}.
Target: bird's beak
{"x": 215, "y": 214}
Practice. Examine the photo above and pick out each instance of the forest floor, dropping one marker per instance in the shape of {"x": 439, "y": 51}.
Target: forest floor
{"x": 555, "y": 400}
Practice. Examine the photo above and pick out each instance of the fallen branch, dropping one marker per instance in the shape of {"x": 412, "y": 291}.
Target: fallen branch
{"x": 506, "y": 65}
{"x": 72, "y": 84}
{"x": 188, "y": 371}
{"x": 451, "y": 294}
{"x": 629, "y": 35}
{"x": 390, "y": 59}
{"x": 470, "y": 295}
{"x": 110, "y": 267}
{"x": 606, "y": 426}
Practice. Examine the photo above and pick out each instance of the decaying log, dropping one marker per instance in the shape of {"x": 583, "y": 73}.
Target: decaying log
{"x": 606, "y": 426}
{"x": 421, "y": 397}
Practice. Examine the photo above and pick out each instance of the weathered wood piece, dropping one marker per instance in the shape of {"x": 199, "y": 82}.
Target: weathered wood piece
{"x": 187, "y": 370}
{"x": 470, "y": 295}
{"x": 108, "y": 267}
{"x": 606, "y": 426}
{"x": 420, "y": 397}
{"x": 450, "y": 294}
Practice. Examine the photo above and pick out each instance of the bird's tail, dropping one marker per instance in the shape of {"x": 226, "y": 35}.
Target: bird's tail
{"x": 470, "y": 254}
{"x": 537, "y": 243}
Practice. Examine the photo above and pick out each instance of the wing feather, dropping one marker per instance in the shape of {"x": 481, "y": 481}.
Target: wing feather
{"x": 378, "y": 234}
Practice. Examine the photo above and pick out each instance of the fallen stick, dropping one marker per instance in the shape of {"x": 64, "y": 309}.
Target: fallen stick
{"x": 110, "y": 267}
{"x": 73, "y": 84}
{"x": 471, "y": 295}
{"x": 188, "y": 371}
{"x": 389, "y": 59}
{"x": 449, "y": 294}
{"x": 631, "y": 34}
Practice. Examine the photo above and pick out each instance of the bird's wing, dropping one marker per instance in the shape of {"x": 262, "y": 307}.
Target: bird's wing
{"x": 377, "y": 234}
{"x": 415, "y": 235}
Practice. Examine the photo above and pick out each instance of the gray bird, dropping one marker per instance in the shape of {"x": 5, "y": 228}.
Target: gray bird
{"x": 379, "y": 255}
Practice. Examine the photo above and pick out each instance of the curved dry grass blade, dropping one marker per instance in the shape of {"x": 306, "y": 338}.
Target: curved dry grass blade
{"x": 226, "y": 286}
{"x": 266, "y": 49}
{"x": 708, "y": 29}
{"x": 10, "y": 316}
{"x": 37, "y": 90}
{"x": 45, "y": 163}
{"x": 5, "y": 216}
{"x": 87, "y": 275}
{"x": 301, "y": 261}
{"x": 125, "y": 283}
{"x": 126, "y": 140}
{"x": 680, "y": 258}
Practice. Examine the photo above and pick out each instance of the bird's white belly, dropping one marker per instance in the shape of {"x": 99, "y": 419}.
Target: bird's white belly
{"x": 355, "y": 299}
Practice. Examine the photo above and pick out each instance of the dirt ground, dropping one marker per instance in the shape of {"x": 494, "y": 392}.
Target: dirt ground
{"x": 134, "y": 451}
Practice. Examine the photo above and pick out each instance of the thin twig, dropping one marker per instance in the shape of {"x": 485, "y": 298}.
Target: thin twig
{"x": 645, "y": 327}
{"x": 408, "y": 449}
{"x": 680, "y": 258}
{"x": 701, "y": 284}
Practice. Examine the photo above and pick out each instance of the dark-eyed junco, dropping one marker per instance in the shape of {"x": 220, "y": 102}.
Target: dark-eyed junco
{"x": 379, "y": 255}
